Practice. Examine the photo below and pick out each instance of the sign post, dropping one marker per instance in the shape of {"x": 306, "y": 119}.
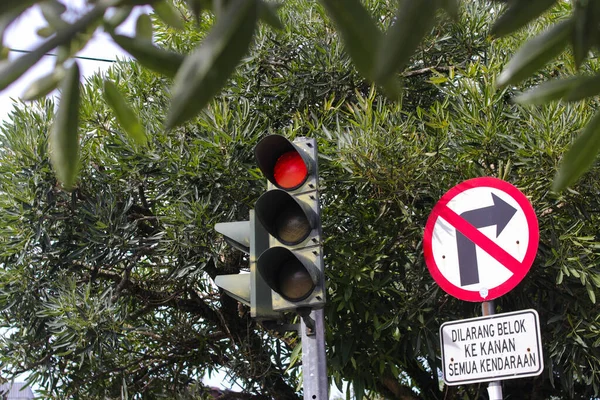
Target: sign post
{"x": 494, "y": 388}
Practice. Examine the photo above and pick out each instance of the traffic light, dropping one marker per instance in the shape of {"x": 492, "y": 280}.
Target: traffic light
{"x": 250, "y": 289}
{"x": 292, "y": 265}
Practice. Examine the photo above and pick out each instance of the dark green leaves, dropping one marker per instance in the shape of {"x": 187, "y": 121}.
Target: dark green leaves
{"x": 125, "y": 115}
{"x": 63, "y": 141}
{"x": 580, "y": 156}
{"x": 205, "y": 71}
{"x": 518, "y": 14}
{"x": 535, "y": 53}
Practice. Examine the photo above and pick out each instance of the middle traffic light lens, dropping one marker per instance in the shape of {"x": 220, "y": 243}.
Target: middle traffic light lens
{"x": 292, "y": 225}
{"x": 294, "y": 281}
{"x": 290, "y": 170}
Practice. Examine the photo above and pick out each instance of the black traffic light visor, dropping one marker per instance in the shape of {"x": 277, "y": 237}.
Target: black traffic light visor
{"x": 270, "y": 149}
{"x": 287, "y": 274}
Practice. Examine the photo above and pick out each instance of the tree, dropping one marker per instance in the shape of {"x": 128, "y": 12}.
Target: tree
{"x": 108, "y": 288}
{"x": 380, "y": 46}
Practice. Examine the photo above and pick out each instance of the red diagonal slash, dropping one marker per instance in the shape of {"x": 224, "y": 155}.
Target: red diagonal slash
{"x": 484, "y": 242}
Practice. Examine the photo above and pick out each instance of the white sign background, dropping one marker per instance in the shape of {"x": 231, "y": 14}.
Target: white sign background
{"x": 495, "y": 347}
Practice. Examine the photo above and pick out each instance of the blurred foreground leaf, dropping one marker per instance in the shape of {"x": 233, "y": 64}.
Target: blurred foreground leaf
{"x": 124, "y": 114}
{"x": 205, "y": 71}
{"x": 63, "y": 141}
{"x": 518, "y": 14}
{"x": 157, "y": 59}
{"x": 167, "y": 12}
{"x": 44, "y": 85}
{"x": 547, "y": 91}
{"x": 580, "y": 156}
{"x": 414, "y": 19}
{"x": 358, "y": 30}
{"x": 535, "y": 53}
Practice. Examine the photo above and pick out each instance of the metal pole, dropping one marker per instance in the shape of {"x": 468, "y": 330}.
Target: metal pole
{"x": 314, "y": 364}
{"x": 494, "y": 388}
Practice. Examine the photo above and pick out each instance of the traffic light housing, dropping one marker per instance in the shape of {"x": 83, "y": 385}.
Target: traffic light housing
{"x": 292, "y": 265}
{"x": 248, "y": 288}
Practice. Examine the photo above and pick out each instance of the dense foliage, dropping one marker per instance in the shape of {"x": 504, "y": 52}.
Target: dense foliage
{"x": 107, "y": 290}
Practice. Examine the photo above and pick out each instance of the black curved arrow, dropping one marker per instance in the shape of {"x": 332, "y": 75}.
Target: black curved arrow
{"x": 498, "y": 214}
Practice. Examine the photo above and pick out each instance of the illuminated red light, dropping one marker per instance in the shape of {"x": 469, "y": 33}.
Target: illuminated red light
{"x": 290, "y": 170}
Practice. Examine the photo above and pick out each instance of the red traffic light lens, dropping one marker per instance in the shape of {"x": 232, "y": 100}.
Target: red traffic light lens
{"x": 290, "y": 170}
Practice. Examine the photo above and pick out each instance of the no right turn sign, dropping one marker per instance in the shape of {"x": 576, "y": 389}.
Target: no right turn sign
{"x": 481, "y": 239}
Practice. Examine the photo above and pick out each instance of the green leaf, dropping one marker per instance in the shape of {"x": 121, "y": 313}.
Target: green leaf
{"x": 150, "y": 56}
{"x": 580, "y": 156}
{"x": 52, "y": 11}
{"x": 7, "y": 6}
{"x": 547, "y": 91}
{"x": 45, "y": 31}
{"x": 586, "y": 18}
{"x": 587, "y": 86}
{"x": 414, "y": 19}
{"x": 535, "y": 53}
{"x": 205, "y": 71}
{"x": 295, "y": 356}
{"x": 591, "y": 293}
{"x": 518, "y": 14}
{"x": 359, "y": 32}
{"x": 44, "y": 85}
{"x": 124, "y": 114}
{"x": 267, "y": 12}
{"x": 63, "y": 141}
{"x": 143, "y": 27}
{"x": 167, "y": 12}
{"x": 117, "y": 18}
{"x": 196, "y": 7}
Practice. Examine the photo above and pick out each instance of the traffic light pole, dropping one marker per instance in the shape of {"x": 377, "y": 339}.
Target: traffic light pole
{"x": 314, "y": 364}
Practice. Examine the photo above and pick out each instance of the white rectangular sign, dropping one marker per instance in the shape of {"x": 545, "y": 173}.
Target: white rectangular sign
{"x": 492, "y": 348}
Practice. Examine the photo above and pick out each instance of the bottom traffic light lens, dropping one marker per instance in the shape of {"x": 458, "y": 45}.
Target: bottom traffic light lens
{"x": 294, "y": 281}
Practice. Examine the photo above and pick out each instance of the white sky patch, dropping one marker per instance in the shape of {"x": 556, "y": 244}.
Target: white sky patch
{"x": 21, "y": 35}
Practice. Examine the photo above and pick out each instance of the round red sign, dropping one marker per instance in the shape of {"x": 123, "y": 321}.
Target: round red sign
{"x": 481, "y": 239}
